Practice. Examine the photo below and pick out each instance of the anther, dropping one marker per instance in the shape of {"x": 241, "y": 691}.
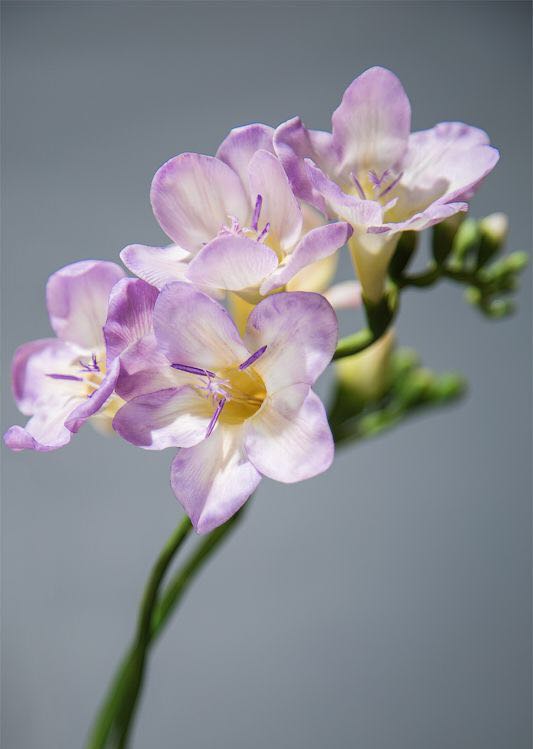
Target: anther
{"x": 392, "y": 185}
{"x": 358, "y": 186}
{"x": 214, "y": 418}
{"x": 73, "y": 378}
{"x": 257, "y": 212}
{"x": 253, "y": 358}
{"x": 193, "y": 370}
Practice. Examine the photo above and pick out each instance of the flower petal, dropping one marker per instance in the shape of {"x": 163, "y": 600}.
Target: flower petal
{"x": 129, "y": 319}
{"x": 300, "y": 332}
{"x": 345, "y": 295}
{"x": 175, "y": 417}
{"x": 316, "y": 245}
{"x": 447, "y": 162}
{"x": 32, "y": 363}
{"x": 232, "y": 263}
{"x": 279, "y": 208}
{"x": 315, "y": 277}
{"x": 156, "y": 265}
{"x": 193, "y": 196}
{"x": 95, "y": 400}
{"x": 359, "y": 213}
{"x": 213, "y": 479}
{"x": 45, "y": 431}
{"x": 288, "y": 444}
{"x": 293, "y": 143}
{"x": 77, "y": 298}
{"x": 434, "y": 214}
{"x": 238, "y": 148}
{"x": 193, "y": 329}
{"x": 372, "y": 124}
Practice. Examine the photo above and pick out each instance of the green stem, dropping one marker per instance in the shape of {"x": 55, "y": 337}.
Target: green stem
{"x": 131, "y": 670}
{"x": 114, "y": 722}
{"x": 379, "y": 316}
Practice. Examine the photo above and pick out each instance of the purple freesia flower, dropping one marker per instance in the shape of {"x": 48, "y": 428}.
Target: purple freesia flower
{"x": 238, "y": 408}
{"x": 234, "y": 221}
{"x": 61, "y": 382}
{"x": 375, "y": 174}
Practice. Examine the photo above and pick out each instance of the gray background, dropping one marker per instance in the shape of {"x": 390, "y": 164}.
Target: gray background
{"x": 385, "y": 605}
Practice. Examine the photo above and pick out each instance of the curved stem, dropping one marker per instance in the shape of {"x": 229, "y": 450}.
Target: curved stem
{"x": 379, "y": 316}
{"x": 131, "y": 670}
{"x": 114, "y": 721}
{"x": 159, "y": 614}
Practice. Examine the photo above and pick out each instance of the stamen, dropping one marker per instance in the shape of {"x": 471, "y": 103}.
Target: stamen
{"x": 92, "y": 367}
{"x": 376, "y": 180}
{"x": 391, "y": 186}
{"x": 193, "y": 370}
{"x": 358, "y": 186}
{"x": 264, "y": 232}
{"x": 214, "y": 418}
{"x": 65, "y": 377}
{"x": 253, "y": 358}
{"x": 257, "y": 211}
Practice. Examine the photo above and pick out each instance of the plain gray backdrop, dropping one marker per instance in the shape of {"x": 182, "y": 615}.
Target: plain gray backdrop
{"x": 383, "y": 605}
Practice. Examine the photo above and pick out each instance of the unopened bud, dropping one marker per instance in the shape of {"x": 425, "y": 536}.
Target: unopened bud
{"x": 496, "y": 227}
{"x": 466, "y": 239}
{"x": 493, "y": 231}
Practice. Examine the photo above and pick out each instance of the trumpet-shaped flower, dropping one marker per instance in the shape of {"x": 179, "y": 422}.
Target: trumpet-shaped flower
{"x": 239, "y": 408}
{"x": 375, "y": 174}
{"x": 234, "y": 221}
{"x": 102, "y": 325}
{"x": 61, "y": 382}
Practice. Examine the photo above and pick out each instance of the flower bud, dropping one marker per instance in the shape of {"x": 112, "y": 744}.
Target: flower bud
{"x": 368, "y": 374}
{"x": 493, "y": 232}
{"x": 495, "y": 227}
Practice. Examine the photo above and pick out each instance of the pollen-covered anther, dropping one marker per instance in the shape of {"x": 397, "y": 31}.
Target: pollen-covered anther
{"x": 253, "y": 358}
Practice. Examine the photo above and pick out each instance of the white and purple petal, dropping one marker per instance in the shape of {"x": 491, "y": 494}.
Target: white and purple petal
{"x": 77, "y": 298}
{"x": 359, "y": 213}
{"x": 194, "y": 330}
{"x": 447, "y": 162}
{"x": 46, "y": 430}
{"x": 345, "y": 295}
{"x": 156, "y": 265}
{"x": 372, "y": 124}
{"x": 238, "y": 148}
{"x": 293, "y": 144}
{"x": 315, "y": 246}
{"x": 213, "y": 479}
{"x": 233, "y": 263}
{"x": 174, "y": 417}
{"x": 95, "y": 400}
{"x": 194, "y": 196}
{"x": 33, "y": 363}
{"x": 289, "y": 439}
{"x": 299, "y": 330}
{"x": 279, "y": 208}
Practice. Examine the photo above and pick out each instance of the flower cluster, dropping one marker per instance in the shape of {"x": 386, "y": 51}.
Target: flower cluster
{"x": 159, "y": 360}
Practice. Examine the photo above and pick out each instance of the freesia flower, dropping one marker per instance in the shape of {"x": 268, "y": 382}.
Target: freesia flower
{"x": 104, "y": 330}
{"x": 375, "y": 174}
{"x": 61, "y": 382}
{"x": 234, "y": 221}
{"x": 239, "y": 408}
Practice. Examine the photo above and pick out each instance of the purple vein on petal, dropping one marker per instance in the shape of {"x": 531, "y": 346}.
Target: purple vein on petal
{"x": 214, "y": 418}
{"x": 193, "y": 370}
{"x": 73, "y": 378}
{"x": 253, "y": 358}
